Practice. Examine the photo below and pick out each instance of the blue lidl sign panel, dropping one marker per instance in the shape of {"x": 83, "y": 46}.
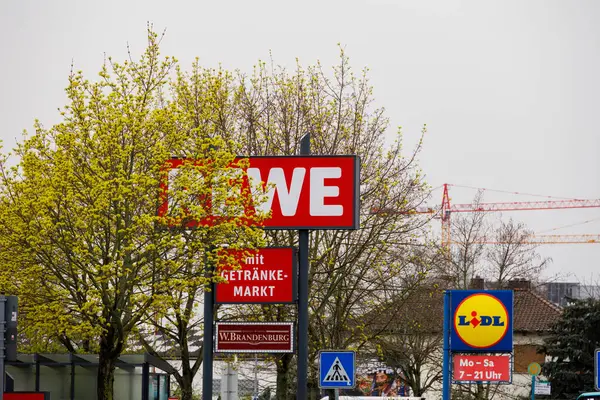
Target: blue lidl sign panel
{"x": 597, "y": 369}
{"x": 337, "y": 369}
{"x": 482, "y": 321}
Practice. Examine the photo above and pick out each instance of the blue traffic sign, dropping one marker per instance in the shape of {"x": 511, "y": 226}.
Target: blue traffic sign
{"x": 337, "y": 369}
{"x": 597, "y": 369}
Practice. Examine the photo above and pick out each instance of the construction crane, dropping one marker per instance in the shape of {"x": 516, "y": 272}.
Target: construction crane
{"x": 447, "y": 209}
{"x": 549, "y": 239}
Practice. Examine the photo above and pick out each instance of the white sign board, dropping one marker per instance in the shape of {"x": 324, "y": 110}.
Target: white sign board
{"x": 542, "y": 387}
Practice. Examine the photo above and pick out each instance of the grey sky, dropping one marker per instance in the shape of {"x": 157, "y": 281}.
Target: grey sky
{"x": 508, "y": 89}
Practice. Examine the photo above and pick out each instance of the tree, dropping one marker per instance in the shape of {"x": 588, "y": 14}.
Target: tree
{"x": 512, "y": 256}
{"x": 353, "y": 274}
{"x": 464, "y": 257}
{"x": 571, "y": 346}
{"x": 498, "y": 253}
{"x": 81, "y": 238}
{"x": 204, "y": 100}
{"x": 413, "y": 346}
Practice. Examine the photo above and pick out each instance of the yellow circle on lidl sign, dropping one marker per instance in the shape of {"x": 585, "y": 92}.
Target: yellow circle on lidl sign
{"x": 534, "y": 369}
{"x": 481, "y": 320}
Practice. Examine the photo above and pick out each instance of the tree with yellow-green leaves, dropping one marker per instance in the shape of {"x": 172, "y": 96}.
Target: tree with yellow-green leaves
{"x": 81, "y": 242}
{"x": 358, "y": 280}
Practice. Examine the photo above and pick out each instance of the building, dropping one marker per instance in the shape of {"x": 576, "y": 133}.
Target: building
{"x": 561, "y": 293}
{"x": 533, "y": 319}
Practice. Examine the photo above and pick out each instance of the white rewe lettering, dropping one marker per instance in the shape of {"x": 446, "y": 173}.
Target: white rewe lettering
{"x": 318, "y": 192}
{"x": 288, "y": 197}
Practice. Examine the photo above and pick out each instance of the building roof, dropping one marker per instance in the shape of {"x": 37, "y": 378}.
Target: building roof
{"x": 533, "y": 313}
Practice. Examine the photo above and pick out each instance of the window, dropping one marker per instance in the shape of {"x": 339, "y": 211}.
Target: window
{"x": 525, "y": 354}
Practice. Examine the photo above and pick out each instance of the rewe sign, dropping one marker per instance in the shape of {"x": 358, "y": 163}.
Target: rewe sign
{"x": 266, "y": 275}
{"x": 300, "y": 192}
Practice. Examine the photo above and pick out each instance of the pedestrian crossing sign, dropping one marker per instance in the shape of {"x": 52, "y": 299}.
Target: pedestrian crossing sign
{"x": 337, "y": 369}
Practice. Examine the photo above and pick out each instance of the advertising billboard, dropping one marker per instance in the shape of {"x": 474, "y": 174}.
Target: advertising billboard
{"x": 482, "y": 321}
{"x": 296, "y": 192}
{"x": 487, "y": 369}
{"x": 254, "y": 337}
{"x": 267, "y": 275}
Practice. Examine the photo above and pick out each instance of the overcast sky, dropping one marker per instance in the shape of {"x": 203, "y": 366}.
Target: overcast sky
{"x": 509, "y": 90}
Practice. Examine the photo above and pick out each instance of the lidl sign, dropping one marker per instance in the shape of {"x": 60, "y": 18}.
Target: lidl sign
{"x": 482, "y": 321}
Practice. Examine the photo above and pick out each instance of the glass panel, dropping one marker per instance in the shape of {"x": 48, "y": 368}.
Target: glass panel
{"x": 164, "y": 388}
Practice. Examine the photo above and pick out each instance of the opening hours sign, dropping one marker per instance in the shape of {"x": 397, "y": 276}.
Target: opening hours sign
{"x": 476, "y": 368}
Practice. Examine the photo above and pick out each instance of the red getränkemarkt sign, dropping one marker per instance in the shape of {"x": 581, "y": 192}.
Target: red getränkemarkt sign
{"x": 267, "y": 275}
{"x": 254, "y": 337}
{"x": 300, "y": 192}
{"x": 476, "y": 368}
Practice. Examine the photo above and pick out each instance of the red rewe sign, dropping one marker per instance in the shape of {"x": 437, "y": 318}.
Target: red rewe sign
{"x": 300, "y": 192}
{"x": 267, "y": 275}
{"x": 468, "y": 368}
{"x": 254, "y": 337}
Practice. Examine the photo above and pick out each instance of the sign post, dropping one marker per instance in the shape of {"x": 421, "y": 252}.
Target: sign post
{"x": 534, "y": 370}
{"x": 446, "y": 376}
{"x": 303, "y": 245}
{"x": 337, "y": 369}
{"x": 597, "y": 369}
{"x": 320, "y": 192}
{"x": 476, "y": 323}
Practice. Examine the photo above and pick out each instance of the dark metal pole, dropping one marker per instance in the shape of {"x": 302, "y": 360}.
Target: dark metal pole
{"x": 207, "y": 359}
{"x": 145, "y": 381}
{"x": 447, "y": 359}
{"x": 303, "y": 298}
{"x": 2, "y": 328}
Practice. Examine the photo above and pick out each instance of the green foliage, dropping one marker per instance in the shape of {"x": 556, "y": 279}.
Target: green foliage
{"x": 81, "y": 240}
{"x": 571, "y": 345}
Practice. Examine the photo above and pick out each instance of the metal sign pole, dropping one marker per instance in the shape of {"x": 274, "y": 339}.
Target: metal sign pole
{"x": 2, "y": 329}
{"x": 447, "y": 357}
{"x": 597, "y": 369}
{"x": 302, "y": 389}
{"x": 207, "y": 361}
{"x": 337, "y": 394}
{"x": 532, "y": 387}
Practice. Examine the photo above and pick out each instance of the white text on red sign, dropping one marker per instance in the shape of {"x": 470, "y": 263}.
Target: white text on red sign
{"x": 470, "y": 368}
{"x": 267, "y": 276}
{"x": 319, "y": 192}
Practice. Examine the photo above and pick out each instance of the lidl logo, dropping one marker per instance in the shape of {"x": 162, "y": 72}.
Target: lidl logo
{"x": 481, "y": 321}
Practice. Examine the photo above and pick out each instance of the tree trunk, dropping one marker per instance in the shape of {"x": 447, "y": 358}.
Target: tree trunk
{"x": 187, "y": 392}
{"x": 314, "y": 393}
{"x": 283, "y": 373}
{"x": 106, "y": 375}
{"x": 111, "y": 346}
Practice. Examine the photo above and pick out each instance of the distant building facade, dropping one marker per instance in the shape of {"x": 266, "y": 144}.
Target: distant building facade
{"x": 561, "y": 292}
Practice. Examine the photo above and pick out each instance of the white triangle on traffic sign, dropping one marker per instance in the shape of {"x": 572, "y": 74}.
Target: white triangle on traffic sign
{"x": 337, "y": 373}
